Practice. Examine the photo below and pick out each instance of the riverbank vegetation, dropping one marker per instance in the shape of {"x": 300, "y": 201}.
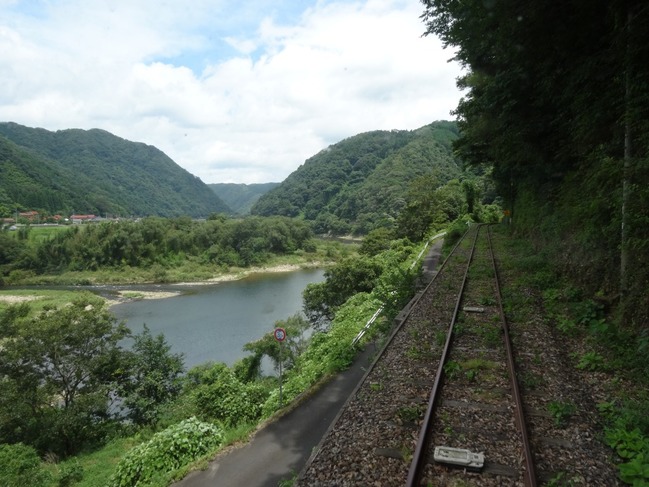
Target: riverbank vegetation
{"x": 158, "y": 403}
{"x": 156, "y": 250}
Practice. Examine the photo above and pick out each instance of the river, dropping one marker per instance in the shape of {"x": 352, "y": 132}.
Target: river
{"x": 213, "y": 322}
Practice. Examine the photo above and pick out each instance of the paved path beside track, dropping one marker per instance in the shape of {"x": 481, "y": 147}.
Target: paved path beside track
{"x": 280, "y": 450}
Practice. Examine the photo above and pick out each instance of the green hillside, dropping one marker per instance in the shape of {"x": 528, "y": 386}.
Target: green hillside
{"x": 557, "y": 102}
{"x": 241, "y": 197}
{"x": 93, "y": 171}
{"x": 361, "y": 182}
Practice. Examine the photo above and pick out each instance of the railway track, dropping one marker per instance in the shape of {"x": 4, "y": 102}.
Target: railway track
{"x": 447, "y": 378}
{"x": 475, "y": 408}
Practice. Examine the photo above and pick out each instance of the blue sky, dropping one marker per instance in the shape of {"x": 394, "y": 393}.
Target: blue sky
{"x": 232, "y": 91}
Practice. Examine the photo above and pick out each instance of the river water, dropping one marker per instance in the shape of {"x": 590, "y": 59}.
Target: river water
{"x": 213, "y": 322}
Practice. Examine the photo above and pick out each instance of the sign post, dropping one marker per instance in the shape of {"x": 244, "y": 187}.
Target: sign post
{"x": 280, "y": 336}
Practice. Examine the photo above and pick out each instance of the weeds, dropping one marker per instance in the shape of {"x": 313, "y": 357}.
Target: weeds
{"x": 290, "y": 481}
{"x": 530, "y": 381}
{"x": 491, "y": 335}
{"x": 452, "y": 369}
{"x": 633, "y": 448}
{"x": 417, "y": 353}
{"x": 561, "y": 480}
{"x": 410, "y": 413}
{"x": 592, "y": 361}
{"x": 487, "y": 301}
{"x": 567, "y": 326}
{"x": 440, "y": 338}
{"x": 561, "y": 412}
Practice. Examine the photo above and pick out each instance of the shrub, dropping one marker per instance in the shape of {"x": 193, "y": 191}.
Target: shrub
{"x": 228, "y": 400}
{"x": 328, "y": 352}
{"x": 166, "y": 451}
{"x": 20, "y": 466}
{"x": 70, "y": 474}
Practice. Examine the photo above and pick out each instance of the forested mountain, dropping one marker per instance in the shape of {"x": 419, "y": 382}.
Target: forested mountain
{"x": 241, "y": 197}
{"x": 361, "y": 182}
{"x": 557, "y": 100}
{"x": 93, "y": 171}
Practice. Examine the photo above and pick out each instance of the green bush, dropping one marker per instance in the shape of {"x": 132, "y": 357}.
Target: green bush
{"x": 166, "y": 451}
{"x": 20, "y": 465}
{"x": 454, "y": 233}
{"x": 70, "y": 474}
{"x": 228, "y": 400}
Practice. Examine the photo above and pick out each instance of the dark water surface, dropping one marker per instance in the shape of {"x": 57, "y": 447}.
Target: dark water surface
{"x": 213, "y": 322}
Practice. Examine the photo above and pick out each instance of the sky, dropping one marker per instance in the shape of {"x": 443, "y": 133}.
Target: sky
{"x": 234, "y": 91}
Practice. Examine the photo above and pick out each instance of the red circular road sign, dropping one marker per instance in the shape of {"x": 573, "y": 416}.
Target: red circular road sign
{"x": 280, "y": 334}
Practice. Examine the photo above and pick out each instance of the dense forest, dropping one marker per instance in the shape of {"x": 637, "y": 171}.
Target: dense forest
{"x": 557, "y": 103}
{"x": 153, "y": 242}
{"x": 95, "y": 172}
{"x": 241, "y": 197}
{"x": 360, "y": 184}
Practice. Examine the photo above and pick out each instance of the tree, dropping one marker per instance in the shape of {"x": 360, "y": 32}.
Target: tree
{"x": 154, "y": 378}
{"x": 343, "y": 280}
{"x": 61, "y": 368}
{"x": 289, "y": 350}
{"x": 10, "y": 249}
{"x": 421, "y": 209}
{"x": 376, "y": 241}
{"x": 557, "y": 101}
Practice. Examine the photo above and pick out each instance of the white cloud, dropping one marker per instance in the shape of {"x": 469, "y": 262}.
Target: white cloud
{"x": 155, "y": 72}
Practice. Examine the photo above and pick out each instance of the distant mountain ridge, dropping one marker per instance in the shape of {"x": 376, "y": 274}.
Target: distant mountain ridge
{"x": 355, "y": 185}
{"x": 241, "y": 197}
{"x": 94, "y": 171}
{"x": 361, "y": 183}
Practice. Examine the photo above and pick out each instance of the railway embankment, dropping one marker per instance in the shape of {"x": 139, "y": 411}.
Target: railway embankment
{"x": 474, "y": 300}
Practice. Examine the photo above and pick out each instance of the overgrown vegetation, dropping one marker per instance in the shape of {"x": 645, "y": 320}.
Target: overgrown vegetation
{"x": 606, "y": 347}
{"x": 172, "y": 448}
{"x": 157, "y": 249}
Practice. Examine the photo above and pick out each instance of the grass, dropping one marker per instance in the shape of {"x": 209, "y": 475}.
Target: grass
{"x": 97, "y": 467}
{"x": 40, "y": 234}
{"x": 38, "y": 299}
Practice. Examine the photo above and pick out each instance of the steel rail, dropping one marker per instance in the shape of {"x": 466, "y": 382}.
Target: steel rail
{"x": 529, "y": 475}
{"x": 419, "y": 455}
